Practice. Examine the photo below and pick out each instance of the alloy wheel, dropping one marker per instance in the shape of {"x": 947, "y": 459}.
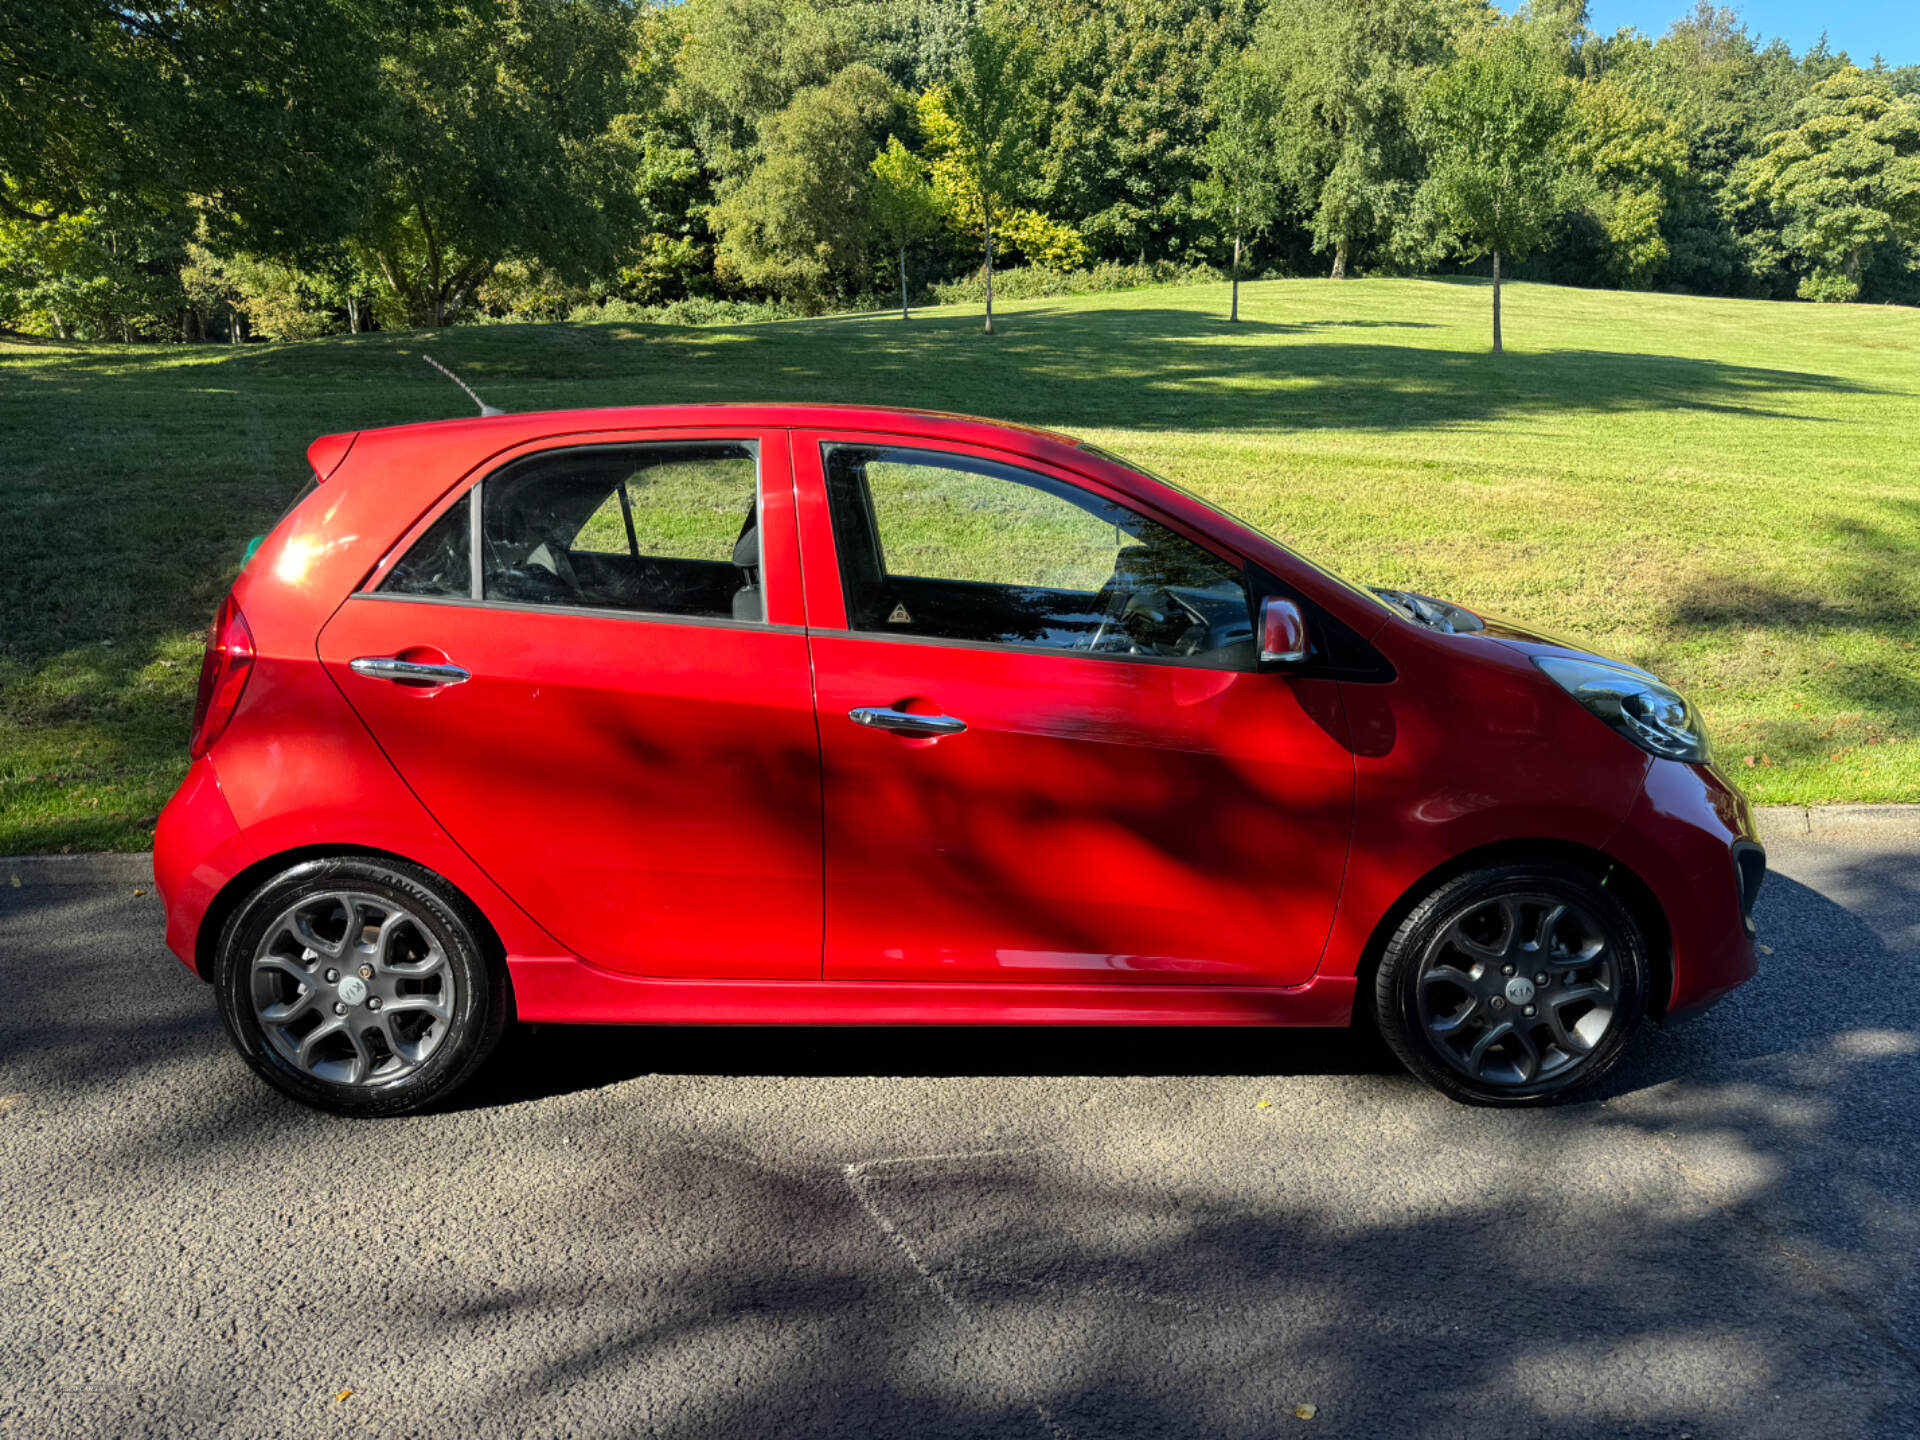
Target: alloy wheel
{"x": 1518, "y": 989}
{"x": 352, "y": 988}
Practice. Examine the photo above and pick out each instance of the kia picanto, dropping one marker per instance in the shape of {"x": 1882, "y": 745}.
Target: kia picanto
{"x": 808, "y": 714}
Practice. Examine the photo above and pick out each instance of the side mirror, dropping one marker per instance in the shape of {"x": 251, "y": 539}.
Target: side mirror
{"x": 1283, "y": 631}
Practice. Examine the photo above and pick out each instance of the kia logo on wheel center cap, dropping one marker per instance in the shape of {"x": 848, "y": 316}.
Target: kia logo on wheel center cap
{"x": 353, "y": 989}
{"x": 1519, "y": 991}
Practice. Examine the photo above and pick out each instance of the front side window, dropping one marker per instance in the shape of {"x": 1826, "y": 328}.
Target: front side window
{"x": 952, "y": 547}
{"x": 668, "y": 529}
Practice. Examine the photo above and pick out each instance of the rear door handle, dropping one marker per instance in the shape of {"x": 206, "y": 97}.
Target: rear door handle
{"x": 415, "y": 672}
{"x": 903, "y": 722}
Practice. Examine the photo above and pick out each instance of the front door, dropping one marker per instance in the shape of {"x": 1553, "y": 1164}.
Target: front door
{"x": 1049, "y": 751}
{"x": 591, "y": 668}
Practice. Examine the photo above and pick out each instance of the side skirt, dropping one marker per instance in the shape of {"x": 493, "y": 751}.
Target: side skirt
{"x": 564, "y": 991}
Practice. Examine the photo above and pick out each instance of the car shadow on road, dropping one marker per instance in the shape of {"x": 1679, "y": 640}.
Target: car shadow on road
{"x": 535, "y": 1062}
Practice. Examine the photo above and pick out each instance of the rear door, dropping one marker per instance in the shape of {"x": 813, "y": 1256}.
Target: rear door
{"x": 591, "y": 666}
{"x": 1050, "y": 753}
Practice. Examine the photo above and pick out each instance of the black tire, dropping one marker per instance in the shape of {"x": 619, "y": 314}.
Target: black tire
{"x": 1455, "y": 970}
{"x": 440, "y": 963}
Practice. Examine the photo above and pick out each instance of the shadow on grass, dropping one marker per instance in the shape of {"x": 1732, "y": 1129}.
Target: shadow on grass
{"x": 192, "y": 452}
{"x": 1868, "y": 586}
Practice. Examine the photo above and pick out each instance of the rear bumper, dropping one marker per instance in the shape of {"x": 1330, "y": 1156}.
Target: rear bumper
{"x": 1690, "y": 837}
{"x": 195, "y": 827}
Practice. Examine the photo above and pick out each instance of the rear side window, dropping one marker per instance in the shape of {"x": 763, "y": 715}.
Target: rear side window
{"x": 441, "y": 561}
{"x": 953, "y": 547}
{"x": 669, "y": 529}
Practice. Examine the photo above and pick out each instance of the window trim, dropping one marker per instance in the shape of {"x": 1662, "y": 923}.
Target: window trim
{"x": 475, "y": 490}
{"x": 597, "y": 612}
{"x": 1053, "y": 479}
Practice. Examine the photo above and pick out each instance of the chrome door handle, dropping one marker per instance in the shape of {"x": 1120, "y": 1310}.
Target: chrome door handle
{"x": 903, "y": 722}
{"x": 388, "y": 667}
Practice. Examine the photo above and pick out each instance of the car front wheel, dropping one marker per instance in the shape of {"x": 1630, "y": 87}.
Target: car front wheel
{"x": 1513, "y": 985}
{"x": 360, "y": 985}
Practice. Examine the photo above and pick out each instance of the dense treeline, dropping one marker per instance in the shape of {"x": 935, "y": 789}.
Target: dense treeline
{"x": 201, "y": 169}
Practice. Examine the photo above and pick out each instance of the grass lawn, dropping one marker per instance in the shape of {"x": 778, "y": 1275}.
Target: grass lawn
{"x": 1725, "y": 491}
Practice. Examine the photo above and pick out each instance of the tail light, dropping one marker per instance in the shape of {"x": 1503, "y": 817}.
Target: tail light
{"x": 224, "y": 669}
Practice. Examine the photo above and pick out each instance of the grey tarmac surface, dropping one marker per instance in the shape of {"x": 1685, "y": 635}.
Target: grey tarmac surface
{"x": 1053, "y": 1234}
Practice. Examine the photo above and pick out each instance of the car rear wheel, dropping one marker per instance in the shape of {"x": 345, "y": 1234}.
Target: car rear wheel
{"x": 1513, "y": 985}
{"x": 360, "y": 985}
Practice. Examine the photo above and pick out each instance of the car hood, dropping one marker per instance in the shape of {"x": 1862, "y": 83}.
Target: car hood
{"x": 1529, "y": 641}
{"x": 1511, "y": 633}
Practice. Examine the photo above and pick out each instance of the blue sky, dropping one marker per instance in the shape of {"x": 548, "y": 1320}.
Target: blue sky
{"x": 1860, "y": 27}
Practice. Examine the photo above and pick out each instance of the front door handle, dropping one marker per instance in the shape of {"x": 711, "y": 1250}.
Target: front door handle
{"x": 904, "y": 722}
{"x": 408, "y": 672}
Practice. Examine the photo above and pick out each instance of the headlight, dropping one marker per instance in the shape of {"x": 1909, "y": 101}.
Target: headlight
{"x": 1653, "y": 716}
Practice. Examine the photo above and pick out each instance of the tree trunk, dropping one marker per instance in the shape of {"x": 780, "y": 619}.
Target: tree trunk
{"x": 1340, "y": 259}
{"x": 1853, "y": 267}
{"x": 1233, "y": 314}
{"x": 989, "y": 210}
{"x": 59, "y": 325}
{"x": 903, "y": 282}
{"x": 233, "y": 326}
{"x": 1496, "y": 302}
{"x": 353, "y": 315}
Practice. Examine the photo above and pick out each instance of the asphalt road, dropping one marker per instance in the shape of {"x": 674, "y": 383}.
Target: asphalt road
{"x": 928, "y": 1234}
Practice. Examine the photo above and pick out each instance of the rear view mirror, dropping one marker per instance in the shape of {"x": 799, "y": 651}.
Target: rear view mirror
{"x": 1283, "y": 631}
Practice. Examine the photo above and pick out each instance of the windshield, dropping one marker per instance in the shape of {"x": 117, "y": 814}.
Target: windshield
{"x": 1225, "y": 514}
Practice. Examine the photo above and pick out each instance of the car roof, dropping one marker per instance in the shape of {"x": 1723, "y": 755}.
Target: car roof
{"x": 513, "y": 428}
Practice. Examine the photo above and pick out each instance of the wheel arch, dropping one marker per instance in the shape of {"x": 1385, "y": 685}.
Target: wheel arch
{"x": 244, "y": 882}
{"x": 1633, "y": 893}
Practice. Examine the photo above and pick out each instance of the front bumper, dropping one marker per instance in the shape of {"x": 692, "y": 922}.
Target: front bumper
{"x": 1690, "y": 838}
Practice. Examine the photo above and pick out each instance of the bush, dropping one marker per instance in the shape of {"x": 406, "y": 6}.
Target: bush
{"x": 1036, "y": 283}
{"x": 696, "y": 311}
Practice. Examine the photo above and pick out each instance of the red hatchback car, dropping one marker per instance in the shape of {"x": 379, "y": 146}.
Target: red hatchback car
{"x": 830, "y": 715}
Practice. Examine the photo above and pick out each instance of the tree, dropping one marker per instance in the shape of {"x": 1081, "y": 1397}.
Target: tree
{"x": 1494, "y": 122}
{"x": 109, "y": 272}
{"x": 902, "y": 203}
{"x": 1242, "y": 188}
{"x": 1846, "y": 177}
{"x": 798, "y": 224}
{"x": 494, "y": 139}
{"x": 1122, "y": 87}
{"x": 254, "y": 109}
{"x": 1347, "y": 77}
{"x": 990, "y": 99}
{"x": 1636, "y": 158}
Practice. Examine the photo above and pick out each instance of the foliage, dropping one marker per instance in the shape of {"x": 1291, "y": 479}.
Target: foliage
{"x": 1847, "y": 177}
{"x": 1495, "y": 120}
{"x": 105, "y": 273}
{"x": 439, "y": 160}
{"x": 990, "y": 147}
{"x": 494, "y": 140}
{"x": 701, "y": 311}
{"x": 798, "y": 224}
{"x": 279, "y": 301}
{"x": 254, "y": 108}
{"x": 1637, "y": 159}
{"x": 901, "y": 203}
{"x": 1121, "y": 91}
{"x": 1241, "y": 190}
{"x": 1347, "y": 77}
{"x": 1036, "y": 282}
